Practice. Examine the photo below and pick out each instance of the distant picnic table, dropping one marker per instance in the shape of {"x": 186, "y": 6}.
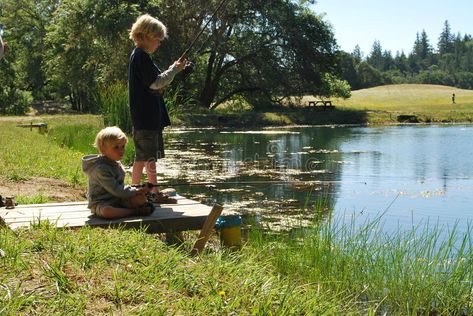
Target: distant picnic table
{"x": 323, "y": 103}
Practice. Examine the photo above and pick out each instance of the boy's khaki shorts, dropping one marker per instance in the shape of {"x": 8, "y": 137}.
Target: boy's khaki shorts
{"x": 149, "y": 145}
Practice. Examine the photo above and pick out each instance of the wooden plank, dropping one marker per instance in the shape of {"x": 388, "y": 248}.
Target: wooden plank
{"x": 207, "y": 229}
{"x": 186, "y": 215}
{"x": 51, "y": 211}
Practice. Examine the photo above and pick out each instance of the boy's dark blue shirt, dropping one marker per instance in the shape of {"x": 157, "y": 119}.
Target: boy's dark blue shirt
{"x": 147, "y": 108}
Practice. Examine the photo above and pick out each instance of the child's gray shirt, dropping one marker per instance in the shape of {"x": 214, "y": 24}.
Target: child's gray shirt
{"x": 106, "y": 181}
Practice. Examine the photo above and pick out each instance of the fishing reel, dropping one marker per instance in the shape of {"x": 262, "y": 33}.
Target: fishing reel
{"x": 188, "y": 69}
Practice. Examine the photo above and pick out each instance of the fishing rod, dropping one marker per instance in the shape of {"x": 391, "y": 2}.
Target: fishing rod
{"x": 189, "y": 67}
{"x": 187, "y": 51}
{"x": 315, "y": 182}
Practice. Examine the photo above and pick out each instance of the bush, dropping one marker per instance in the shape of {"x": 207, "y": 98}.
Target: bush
{"x": 435, "y": 77}
{"x": 464, "y": 80}
{"x": 14, "y": 101}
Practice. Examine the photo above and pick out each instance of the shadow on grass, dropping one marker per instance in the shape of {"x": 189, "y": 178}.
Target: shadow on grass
{"x": 277, "y": 117}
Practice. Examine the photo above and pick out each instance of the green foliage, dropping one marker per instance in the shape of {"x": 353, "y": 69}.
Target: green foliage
{"x": 436, "y": 77}
{"x": 69, "y": 50}
{"x": 113, "y": 103}
{"x": 13, "y": 100}
{"x": 368, "y": 76}
{"x": 334, "y": 87}
{"x": 451, "y": 64}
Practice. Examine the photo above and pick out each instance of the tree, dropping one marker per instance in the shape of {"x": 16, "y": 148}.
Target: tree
{"x": 422, "y": 52}
{"x": 375, "y": 57}
{"x": 262, "y": 51}
{"x": 401, "y": 62}
{"x": 88, "y": 46}
{"x": 28, "y": 20}
{"x": 445, "y": 43}
{"x": 369, "y": 76}
{"x": 357, "y": 54}
{"x": 265, "y": 51}
{"x": 347, "y": 69}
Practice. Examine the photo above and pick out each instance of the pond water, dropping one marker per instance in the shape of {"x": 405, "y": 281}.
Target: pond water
{"x": 411, "y": 174}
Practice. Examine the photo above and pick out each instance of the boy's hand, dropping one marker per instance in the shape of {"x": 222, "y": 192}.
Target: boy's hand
{"x": 181, "y": 63}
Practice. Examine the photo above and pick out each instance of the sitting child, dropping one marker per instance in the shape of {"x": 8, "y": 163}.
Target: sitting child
{"x": 108, "y": 196}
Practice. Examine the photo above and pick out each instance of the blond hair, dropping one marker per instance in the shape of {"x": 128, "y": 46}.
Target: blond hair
{"x": 146, "y": 25}
{"x": 107, "y": 135}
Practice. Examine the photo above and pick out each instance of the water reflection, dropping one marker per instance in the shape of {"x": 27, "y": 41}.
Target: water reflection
{"x": 425, "y": 170}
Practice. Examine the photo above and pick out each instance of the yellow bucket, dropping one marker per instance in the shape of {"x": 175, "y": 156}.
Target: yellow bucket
{"x": 230, "y": 231}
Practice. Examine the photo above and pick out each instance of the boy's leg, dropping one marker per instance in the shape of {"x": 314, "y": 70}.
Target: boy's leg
{"x": 137, "y": 171}
{"x": 151, "y": 173}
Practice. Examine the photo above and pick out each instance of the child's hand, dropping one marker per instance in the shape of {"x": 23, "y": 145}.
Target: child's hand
{"x": 180, "y": 63}
{"x": 143, "y": 190}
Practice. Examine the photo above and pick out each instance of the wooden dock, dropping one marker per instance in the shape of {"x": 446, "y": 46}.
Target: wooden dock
{"x": 166, "y": 218}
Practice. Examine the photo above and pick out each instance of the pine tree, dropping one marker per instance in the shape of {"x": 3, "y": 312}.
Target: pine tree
{"x": 446, "y": 38}
{"x": 375, "y": 58}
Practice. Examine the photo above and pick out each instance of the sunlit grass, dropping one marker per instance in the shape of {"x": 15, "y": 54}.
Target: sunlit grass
{"x": 410, "y": 98}
{"x": 421, "y": 270}
{"x": 429, "y": 103}
{"x": 96, "y": 271}
{"x": 27, "y": 154}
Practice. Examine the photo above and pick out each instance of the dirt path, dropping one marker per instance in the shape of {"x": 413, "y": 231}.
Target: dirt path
{"x": 54, "y": 190}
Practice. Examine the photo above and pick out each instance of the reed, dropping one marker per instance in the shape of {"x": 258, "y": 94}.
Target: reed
{"x": 113, "y": 102}
{"x": 421, "y": 270}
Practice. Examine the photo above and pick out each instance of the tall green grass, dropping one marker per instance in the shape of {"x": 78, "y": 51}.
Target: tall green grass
{"x": 81, "y": 137}
{"x": 408, "y": 272}
{"x": 26, "y": 153}
{"x": 94, "y": 271}
{"x": 334, "y": 267}
{"x": 113, "y": 102}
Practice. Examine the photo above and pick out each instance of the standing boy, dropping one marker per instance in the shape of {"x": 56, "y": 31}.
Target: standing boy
{"x": 146, "y": 84}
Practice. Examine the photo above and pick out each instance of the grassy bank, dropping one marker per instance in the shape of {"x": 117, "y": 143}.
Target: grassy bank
{"x": 378, "y": 105}
{"x": 331, "y": 268}
{"x": 90, "y": 271}
{"x": 26, "y": 153}
{"x": 429, "y": 103}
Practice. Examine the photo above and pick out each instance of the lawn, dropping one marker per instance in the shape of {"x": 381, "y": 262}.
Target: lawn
{"x": 430, "y": 103}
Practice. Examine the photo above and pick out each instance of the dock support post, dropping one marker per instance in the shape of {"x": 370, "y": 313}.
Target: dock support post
{"x": 207, "y": 229}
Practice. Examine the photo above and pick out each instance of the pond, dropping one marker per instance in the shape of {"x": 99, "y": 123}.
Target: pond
{"x": 410, "y": 174}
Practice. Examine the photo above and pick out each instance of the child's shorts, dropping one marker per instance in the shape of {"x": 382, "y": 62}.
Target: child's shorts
{"x": 97, "y": 208}
{"x": 149, "y": 144}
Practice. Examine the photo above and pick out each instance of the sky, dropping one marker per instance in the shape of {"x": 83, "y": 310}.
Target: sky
{"x": 394, "y": 23}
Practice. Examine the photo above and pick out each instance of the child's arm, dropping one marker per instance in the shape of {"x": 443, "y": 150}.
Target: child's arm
{"x": 107, "y": 180}
{"x": 166, "y": 77}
